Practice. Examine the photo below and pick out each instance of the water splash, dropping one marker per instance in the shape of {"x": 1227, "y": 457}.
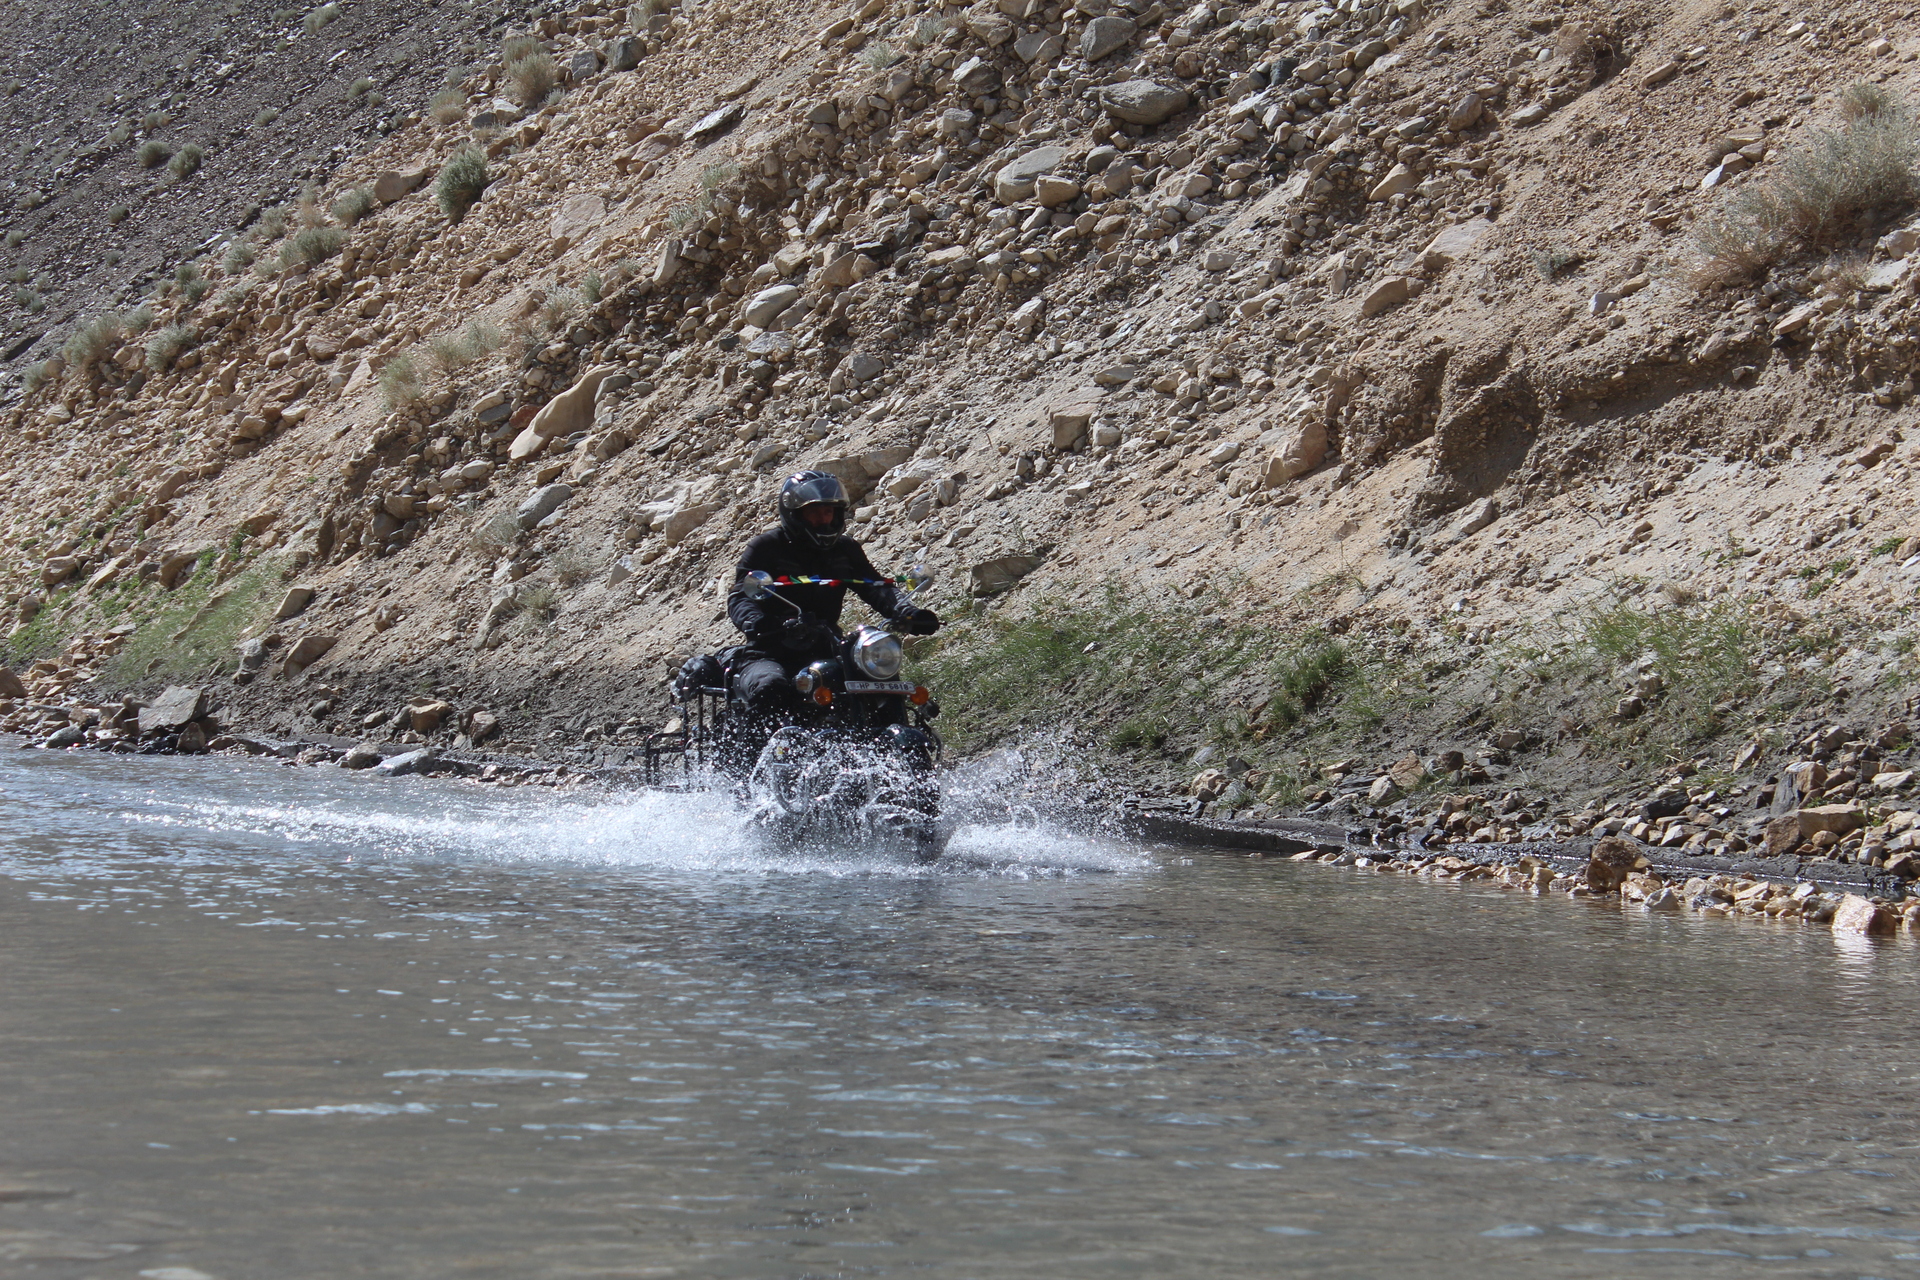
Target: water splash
{"x": 692, "y": 831}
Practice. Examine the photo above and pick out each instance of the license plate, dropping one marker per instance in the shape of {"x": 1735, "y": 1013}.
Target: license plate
{"x": 879, "y": 686}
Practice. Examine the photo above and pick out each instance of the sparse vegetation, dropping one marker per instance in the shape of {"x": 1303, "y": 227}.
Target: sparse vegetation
{"x": 462, "y": 179}
{"x": 119, "y": 214}
{"x": 928, "y": 29}
{"x": 273, "y": 222}
{"x": 359, "y": 89}
{"x": 400, "y": 383}
{"x": 449, "y": 106}
{"x": 240, "y": 254}
{"x": 1551, "y": 262}
{"x": 497, "y": 534}
{"x": 264, "y": 117}
{"x": 452, "y": 351}
{"x": 193, "y": 286}
{"x": 353, "y": 206}
{"x": 514, "y": 48}
{"x": 311, "y": 246}
{"x": 1162, "y": 671}
{"x": 880, "y": 55}
{"x": 186, "y": 162}
{"x": 1829, "y": 189}
{"x": 168, "y": 345}
{"x": 537, "y": 606}
{"x": 718, "y": 175}
{"x": 153, "y": 153}
{"x": 320, "y": 17}
{"x": 533, "y": 77}
{"x": 93, "y": 341}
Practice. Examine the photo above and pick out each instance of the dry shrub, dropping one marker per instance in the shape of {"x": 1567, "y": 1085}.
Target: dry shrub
{"x": 449, "y": 352}
{"x": 93, "y": 341}
{"x": 400, "y": 382}
{"x": 533, "y": 77}
{"x": 1826, "y": 191}
{"x": 460, "y": 183}
{"x": 449, "y": 106}
{"x": 311, "y": 246}
{"x": 353, "y": 206}
{"x": 153, "y": 153}
{"x": 167, "y": 346}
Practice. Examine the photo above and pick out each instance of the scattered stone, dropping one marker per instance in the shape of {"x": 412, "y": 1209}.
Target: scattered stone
{"x": 1856, "y": 914}
{"x": 405, "y": 763}
{"x": 1612, "y": 860}
{"x": 1142, "y": 102}
{"x": 1303, "y": 449}
{"x": 1389, "y": 292}
{"x": 993, "y": 577}
{"x": 1104, "y": 36}
{"x": 541, "y": 503}
{"x": 306, "y": 651}
{"x": 1837, "y": 818}
{"x": 360, "y": 757}
{"x": 1015, "y": 182}
{"x": 294, "y": 603}
{"x": 1069, "y": 424}
{"x": 176, "y": 706}
{"x": 193, "y": 739}
{"x": 1783, "y": 836}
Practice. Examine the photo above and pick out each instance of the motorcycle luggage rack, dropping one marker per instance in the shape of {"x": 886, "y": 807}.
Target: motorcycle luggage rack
{"x": 692, "y": 744}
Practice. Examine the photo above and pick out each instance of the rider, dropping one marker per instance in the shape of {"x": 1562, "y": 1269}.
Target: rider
{"x": 810, "y": 542}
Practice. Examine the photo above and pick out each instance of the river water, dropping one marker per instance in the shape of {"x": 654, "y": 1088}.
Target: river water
{"x": 277, "y": 1022}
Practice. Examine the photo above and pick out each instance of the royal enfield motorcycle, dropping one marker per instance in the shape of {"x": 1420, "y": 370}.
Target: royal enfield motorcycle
{"x": 857, "y": 762}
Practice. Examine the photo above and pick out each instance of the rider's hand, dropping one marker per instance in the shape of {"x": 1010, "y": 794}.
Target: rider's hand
{"x": 919, "y": 622}
{"x": 798, "y": 633}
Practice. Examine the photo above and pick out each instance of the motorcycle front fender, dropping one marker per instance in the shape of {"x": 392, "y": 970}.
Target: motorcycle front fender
{"x": 917, "y": 746}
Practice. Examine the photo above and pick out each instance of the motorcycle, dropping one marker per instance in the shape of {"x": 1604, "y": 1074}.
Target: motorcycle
{"x": 856, "y": 764}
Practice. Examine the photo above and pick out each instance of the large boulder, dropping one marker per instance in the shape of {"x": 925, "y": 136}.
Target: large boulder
{"x": 976, "y": 77}
{"x": 1014, "y": 182}
{"x": 541, "y": 503}
{"x": 1303, "y": 449}
{"x": 306, "y": 651}
{"x": 173, "y": 708}
{"x": 991, "y": 577}
{"x": 1104, "y": 36}
{"x": 566, "y": 413}
{"x": 10, "y": 685}
{"x": 1143, "y": 102}
{"x": 768, "y": 303}
{"x": 686, "y": 520}
{"x": 396, "y": 184}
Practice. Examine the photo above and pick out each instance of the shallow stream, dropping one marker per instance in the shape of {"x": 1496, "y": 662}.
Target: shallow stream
{"x": 262, "y": 1022}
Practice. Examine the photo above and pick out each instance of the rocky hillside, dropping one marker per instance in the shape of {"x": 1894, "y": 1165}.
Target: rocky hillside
{"x": 1418, "y": 375}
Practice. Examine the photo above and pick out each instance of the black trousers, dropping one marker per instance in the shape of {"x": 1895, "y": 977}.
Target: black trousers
{"x": 765, "y": 686}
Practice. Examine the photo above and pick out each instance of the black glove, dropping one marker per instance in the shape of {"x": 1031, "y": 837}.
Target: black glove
{"x": 919, "y": 622}
{"x": 799, "y": 634}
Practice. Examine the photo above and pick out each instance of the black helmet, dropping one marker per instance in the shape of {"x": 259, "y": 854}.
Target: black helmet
{"x": 808, "y": 489}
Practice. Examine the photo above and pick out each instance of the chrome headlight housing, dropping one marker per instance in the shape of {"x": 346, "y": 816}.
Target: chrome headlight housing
{"x": 877, "y": 653}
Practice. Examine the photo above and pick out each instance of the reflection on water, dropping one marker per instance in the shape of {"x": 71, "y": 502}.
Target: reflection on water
{"x": 279, "y": 1022}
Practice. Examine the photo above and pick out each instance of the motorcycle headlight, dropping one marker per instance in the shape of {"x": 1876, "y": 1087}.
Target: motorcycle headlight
{"x": 877, "y": 653}
{"x": 804, "y": 681}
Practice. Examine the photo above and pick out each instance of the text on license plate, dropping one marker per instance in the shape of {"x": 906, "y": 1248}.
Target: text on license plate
{"x": 879, "y": 686}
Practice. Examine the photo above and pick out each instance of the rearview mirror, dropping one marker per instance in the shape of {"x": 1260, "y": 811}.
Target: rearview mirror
{"x": 919, "y": 577}
{"x": 756, "y": 584}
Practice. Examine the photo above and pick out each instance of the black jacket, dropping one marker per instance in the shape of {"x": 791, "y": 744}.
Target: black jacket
{"x": 775, "y": 553}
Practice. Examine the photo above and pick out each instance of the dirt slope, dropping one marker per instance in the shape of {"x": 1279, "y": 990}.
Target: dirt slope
{"x": 1381, "y": 322}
